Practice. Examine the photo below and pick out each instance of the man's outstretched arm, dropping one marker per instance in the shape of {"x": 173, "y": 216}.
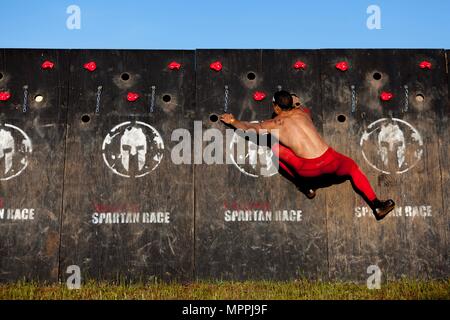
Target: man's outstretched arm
{"x": 264, "y": 126}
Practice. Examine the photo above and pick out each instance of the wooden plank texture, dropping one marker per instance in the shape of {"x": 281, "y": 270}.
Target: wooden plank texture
{"x": 265, "y": 248}
{"x": 88, "y": 177}
{"x": 127, "y": 211}
{"x": 412, "y": 241}
{"x": 31, "y": 162}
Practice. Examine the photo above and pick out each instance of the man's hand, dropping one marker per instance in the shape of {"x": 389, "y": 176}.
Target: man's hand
{"x": 228, "y": 118}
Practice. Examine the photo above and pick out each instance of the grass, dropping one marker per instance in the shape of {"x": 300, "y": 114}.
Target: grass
{"x": 249, "y": 290}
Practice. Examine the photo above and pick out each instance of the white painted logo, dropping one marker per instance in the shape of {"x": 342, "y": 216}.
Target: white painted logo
{"x": 15, "y": 148}
{"x": 133, "y": 149}
{"x": 424, "y": 211}
{"x": 254, "y": 159}
{"x": 263, "y": 215}
{"x": 391, "y": 146}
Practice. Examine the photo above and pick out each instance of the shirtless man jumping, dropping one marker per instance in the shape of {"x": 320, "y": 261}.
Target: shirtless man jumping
{"x": 303, "y": 153}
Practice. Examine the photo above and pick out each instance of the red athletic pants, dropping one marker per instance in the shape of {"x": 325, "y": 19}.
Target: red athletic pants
{"x": 331, "y": 162}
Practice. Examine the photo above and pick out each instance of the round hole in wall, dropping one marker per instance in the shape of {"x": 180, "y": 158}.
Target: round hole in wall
{"x": 213, "y": 118}
{"x": 166, "y": 98}
{"x": 125, "y": 76}
{"x": 377, "y": 76}
{"x": 85, "y": 118}
{"x": 38, "y": 98}
{"x": 341, "y": 118}
{"x": 1, "y": 76}
{"x": 251, "y": 76}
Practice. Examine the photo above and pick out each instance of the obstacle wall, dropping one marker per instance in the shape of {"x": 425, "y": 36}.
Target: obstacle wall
{"x": 88, "y": 177}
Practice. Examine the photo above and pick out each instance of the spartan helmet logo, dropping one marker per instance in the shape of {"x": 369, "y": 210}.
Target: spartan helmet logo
{"x": 132, "y": 142}
{"x": 15, "y": 148}
{"x": 7, "y": 149}
{"x": 391, "y": 145}
{"x": 133, "y": 149}
{"x": 391, "y": 139}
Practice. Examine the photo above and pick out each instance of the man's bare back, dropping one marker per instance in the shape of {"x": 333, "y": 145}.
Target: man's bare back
{"x": 297, "y": 132}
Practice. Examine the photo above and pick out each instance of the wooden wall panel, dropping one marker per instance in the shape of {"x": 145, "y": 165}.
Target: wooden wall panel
{"x": 119, "y": 162}
{"x": 411, "y": 241}
{"x": 237, "y": 248}
{"x": 31, "y": 162}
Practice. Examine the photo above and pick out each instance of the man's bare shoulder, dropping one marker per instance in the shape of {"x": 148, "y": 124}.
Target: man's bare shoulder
{"x": 301, "y": 112}
{"x": 278, "y": 120}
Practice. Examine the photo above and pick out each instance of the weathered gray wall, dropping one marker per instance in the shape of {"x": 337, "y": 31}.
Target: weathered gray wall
{"x": 68, "y": 179}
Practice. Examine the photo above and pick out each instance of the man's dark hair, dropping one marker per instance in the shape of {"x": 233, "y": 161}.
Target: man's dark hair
{"x": 283, "y": 99}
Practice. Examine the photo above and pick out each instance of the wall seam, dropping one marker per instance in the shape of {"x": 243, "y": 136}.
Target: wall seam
{"x": 66, "y": 132}
{"x": 194, "y": 213}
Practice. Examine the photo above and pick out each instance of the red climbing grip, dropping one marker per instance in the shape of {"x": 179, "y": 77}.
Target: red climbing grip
{"x": 47, "y": 65}
{"x": 343, "y": 66}
{"x": 217, "y": 66}
{"x": 174, "y": 65}
{"x": 91, "y": 66}
{"x": 386, "y": 96}
{"x": 4, "y": 95}
{"x": 258, "y": 95}
{"x": 132, "y": 96}
{"x": 299, "y": 65}
{"x": 425, "y": 65}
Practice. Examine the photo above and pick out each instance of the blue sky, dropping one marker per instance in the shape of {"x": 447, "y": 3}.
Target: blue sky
{"x": 190, "y": 24}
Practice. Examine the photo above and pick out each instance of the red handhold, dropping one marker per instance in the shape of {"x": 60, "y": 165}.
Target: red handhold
{"x": 217, "y": 66}
{"x": 258, "y": 95}
{"x": 132, "y": 96}
{"x": 386, "y": 96}
{"x": 174, "y": 65}
{"x": 4, "y": 95}
{"x": 47, "y": 65}
{"x": 91, "y": 66}
{"x": 425, "y": 65}
{"x": 343, "y": 66}
{"x": 299, "y": 65}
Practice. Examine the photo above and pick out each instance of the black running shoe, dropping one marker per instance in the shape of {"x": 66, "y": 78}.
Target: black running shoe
{"x": 382, "y": 208}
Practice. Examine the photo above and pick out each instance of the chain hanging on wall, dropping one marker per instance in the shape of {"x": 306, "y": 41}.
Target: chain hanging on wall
{"x": 354, "y": 99}
{"x": 406, "y": 98}
{"x": 25, "y": 99}
{"x": 152, "y": 100}
{"x": 98, "y": 96}
{"x": 226, "y": 100}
